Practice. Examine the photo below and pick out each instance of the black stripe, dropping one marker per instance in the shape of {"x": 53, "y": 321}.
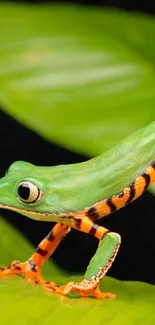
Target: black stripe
{"x": 41, "y": 251}
{"x": 78, "y": 222}
{"x": 132, "y": 193}
{"x": 105, "y": 233}
{"x": 111, "y": 205}
{"x": 147, "y": 180}
{"x": 32, "y": 265}
{"x": 92, "y": 213}
{"x": 50, "y": 236}
{"x": 153, "y": 164}
{"x": 121, "y": 193}
{"x": 16, "y": 267}
{"x": 66, "y": 217}
{"x": 93, "y": 229}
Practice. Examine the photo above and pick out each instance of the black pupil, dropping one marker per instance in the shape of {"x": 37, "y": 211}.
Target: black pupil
{"x": 24, "y": 191}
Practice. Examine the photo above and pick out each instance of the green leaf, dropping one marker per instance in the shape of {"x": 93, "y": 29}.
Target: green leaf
{"x": 22, "y": 303}
{"x": 81, "y": 77}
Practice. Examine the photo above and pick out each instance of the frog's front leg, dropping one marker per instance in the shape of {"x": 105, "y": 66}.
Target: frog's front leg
{"x": 32, "y": 267}
{"x": 109, "y": 243}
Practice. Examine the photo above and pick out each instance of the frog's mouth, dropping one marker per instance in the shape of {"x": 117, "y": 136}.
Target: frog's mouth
{"x": 40, "y": 216}
{"x": 29, "y": 213}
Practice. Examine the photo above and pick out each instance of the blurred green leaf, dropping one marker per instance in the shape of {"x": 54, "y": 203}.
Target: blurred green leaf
{"x": 22, "y": 303}
{"x": 81, "y": 77}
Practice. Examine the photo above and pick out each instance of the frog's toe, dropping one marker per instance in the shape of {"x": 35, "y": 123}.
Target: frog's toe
{"x": 103, "y": 295}
{"x": 84, "y": 288}
{"x": 14, "y": 268}
{"x": 27, "y": 269}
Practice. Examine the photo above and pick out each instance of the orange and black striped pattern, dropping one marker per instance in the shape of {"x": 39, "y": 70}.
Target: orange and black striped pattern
{"x": 85, "y": 224}
{"x": 49, "y": 244}
{"x": 124, "y": 197}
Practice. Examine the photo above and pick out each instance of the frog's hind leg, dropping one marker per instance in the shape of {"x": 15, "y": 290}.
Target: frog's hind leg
{"x": 109, "y": 243}
{"x": 32, "y": 267}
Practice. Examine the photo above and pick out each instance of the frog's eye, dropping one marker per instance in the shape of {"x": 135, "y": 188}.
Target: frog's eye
{"x": 28, "y": 192}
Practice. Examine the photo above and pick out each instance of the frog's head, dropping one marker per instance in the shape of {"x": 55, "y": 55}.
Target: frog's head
{"x": 44, "y": 193}
{"x": 25, "y": 189}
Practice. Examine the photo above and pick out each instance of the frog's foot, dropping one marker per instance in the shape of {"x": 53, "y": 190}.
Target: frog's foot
{"x": 85, "y": 288}
{"x": 31, "y": 272}
{"x": 33, "y": 275}
{"x": 28, "y": 269}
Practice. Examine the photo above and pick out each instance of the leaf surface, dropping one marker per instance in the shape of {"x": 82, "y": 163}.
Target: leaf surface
{"x": 83, "y": 78}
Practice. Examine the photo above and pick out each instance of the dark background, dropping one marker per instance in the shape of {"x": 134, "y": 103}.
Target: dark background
{"x": 147, "y": 6}
{"x": 135, "y": 223}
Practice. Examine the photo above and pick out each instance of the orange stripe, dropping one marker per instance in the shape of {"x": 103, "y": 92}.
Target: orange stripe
{"x": 139, "y": 186}
{"x": 100, "y": 232}
{"x": 86, "y": 225}
{"x": 102, "y": 208}
{"x": 150, "y": 170}
{"x": 121, "y": 201}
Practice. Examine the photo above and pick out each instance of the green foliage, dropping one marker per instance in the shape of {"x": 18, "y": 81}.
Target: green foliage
{"x": 81, "y": 77}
